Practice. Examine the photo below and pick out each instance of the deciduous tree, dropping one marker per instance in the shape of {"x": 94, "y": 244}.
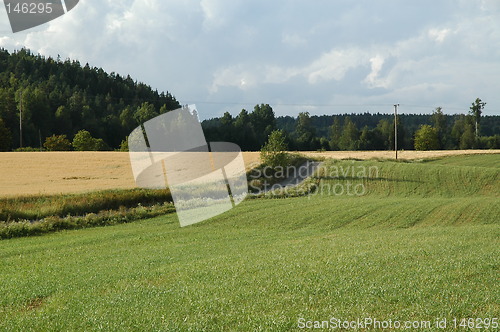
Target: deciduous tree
{"x": 439, "y": 122}
{"x": 83, "y": 141}
{"x": 475, "y": 110}
{"x": 273, "y": 153}
{"x": 426, "y": 138}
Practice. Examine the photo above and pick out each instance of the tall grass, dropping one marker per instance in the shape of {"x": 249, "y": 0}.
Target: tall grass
{"x": 37, "y": 207}
{"x": 36, "y": 215}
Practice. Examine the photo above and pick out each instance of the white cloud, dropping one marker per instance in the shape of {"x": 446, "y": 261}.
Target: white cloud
{"x": 334, "y": 65}
{"x": 236, "y": 76}
{"x": 439, "y": 35}
{"x": 218, "y": 13}
{"x": 276, "y": 52}
{"x": 376, "y": 65}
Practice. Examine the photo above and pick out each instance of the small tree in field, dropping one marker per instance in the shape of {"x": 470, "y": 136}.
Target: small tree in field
{"x": 57, "y": 143}
{"x": 273, "y": 153}
{"x": 426, "y": 138}
{"x": 83, "y": 141}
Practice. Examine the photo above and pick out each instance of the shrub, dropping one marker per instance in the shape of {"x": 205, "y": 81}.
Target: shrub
{"x": 34, "y": 215}
{"x": 489, "y": 142}
{"x": 57, "y": 143}
{"x": 100, "y": 145}
{"x": 273, "y": 153}
{"x": 27, "y": 149}
{"x": 83, "y": 141}
{"x": 124, "y": 145}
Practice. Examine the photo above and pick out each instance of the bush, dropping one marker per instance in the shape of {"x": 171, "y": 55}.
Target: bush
{"x": 27, "y": 149}
{"x": 83, "y": 141}
{"x": 489, "y": 142}
{"x": 34, "y": 215}
{"x": 49, "y": 224}
{"x": 124, "y": 145}
{"x": 273, "y": 153}
{"x": 100, "y": 145}
{"x": 57, "y": 143}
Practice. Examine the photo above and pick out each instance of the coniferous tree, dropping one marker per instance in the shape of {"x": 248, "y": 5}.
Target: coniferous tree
{"x": 263, "y": 121}
{"x": 349, "y": 140}
{"x": 305, "y": 132}
{"x": 439, "y": 122}
{"x": 62, "y": 97}
{"x": 335, "y": 134}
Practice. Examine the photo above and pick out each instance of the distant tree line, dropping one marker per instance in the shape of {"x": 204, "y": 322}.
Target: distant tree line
{"x": 64, "y": 105}
{"x": 56, "y": 97}
{"x": 365, "y": 131}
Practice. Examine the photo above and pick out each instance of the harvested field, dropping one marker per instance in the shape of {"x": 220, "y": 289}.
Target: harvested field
{"x": 409, "y": 155}
{"x": 32, "y": 173}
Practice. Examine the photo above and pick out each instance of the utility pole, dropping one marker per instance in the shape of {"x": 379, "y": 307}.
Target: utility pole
{"x": 396, "y": 129}
{"x": 21, "y": 121}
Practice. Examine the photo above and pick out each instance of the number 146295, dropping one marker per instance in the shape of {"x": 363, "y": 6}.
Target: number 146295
{"x": 30, "y": 8}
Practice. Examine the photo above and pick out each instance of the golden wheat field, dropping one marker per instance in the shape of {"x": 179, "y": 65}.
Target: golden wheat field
{"x": 32, "y": 173}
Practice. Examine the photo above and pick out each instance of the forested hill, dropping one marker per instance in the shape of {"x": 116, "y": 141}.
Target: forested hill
{"x": 63, "y": 97}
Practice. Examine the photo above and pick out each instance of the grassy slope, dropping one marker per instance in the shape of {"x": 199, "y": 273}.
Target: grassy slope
{"x": 491, "y": 161}
{"x": 416, "y": 179}
{"x": 424, "y": 243}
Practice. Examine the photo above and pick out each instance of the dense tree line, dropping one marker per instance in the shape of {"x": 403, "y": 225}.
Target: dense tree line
{"x": 63, "y": 97}
{"x": 248, "y": 130}
{"x": 64, "y": 105}
{"x": 365, "y": 131}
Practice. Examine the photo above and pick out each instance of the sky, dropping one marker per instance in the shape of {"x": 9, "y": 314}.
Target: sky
{"x": 320, "y": 56}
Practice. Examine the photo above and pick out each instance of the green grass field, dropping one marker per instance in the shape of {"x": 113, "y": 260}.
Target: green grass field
{"x": 491, "y": 161}
{"x": 422, "y": 243}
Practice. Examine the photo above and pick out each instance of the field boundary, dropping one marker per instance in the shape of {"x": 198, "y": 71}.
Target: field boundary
{"x": 55, "y": 173}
